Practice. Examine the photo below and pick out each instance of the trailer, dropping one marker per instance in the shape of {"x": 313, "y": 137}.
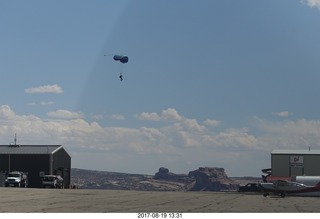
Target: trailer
{"x": 307, "y": 180}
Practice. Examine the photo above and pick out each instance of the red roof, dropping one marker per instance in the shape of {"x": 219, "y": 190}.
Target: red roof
{"x": 275, "y": 178}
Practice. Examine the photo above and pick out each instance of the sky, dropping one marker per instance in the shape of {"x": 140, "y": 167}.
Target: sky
{"x": 210, "y": 83}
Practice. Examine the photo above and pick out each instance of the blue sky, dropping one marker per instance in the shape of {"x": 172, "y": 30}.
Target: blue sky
{"x": 208, "y": 83}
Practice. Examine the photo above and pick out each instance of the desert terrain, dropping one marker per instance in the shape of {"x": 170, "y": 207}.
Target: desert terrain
{"x": 23, "y": 200}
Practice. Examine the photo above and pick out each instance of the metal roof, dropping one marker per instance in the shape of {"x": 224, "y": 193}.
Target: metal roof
{"x": 29, "y": 149}
{"x": 292, "y": 151}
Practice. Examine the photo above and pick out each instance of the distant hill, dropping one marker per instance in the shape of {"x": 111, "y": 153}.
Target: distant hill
{"x": 208, "y": 179}
{"x": 91, "y": 179}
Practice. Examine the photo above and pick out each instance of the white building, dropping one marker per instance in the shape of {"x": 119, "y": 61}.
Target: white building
{"x": 292, "y": 163}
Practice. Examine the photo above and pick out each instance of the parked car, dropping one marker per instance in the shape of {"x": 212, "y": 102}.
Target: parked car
{"x": 250, "y": 187}
{"x": 52, "y": 181}
{"x": 16, "y": 179}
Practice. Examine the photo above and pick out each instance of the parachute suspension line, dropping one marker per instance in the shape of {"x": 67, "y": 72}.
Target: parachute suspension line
{"x": 121, "y": 59}
{"x": 121, "y": 70}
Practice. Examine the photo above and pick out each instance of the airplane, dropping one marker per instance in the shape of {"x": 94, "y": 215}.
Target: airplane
{"x": 283, "y": 188}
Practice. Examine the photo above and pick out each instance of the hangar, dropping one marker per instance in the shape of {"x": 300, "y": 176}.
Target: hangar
{"x": 36, "y": 160}
{"x": 290, "y": 163}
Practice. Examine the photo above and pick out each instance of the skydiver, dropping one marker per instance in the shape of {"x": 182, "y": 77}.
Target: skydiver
{"x": 121, "y": 78}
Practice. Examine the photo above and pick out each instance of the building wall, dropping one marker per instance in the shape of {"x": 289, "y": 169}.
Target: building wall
{"x": 280, "y": 165}
{"x": 295, "y": 165}
{"x": 61, "y": 165}
{"x": 36, "y": 164}
{"x": 311, "y": 165}
{"x": 33, "y": 164}
{"x": 4, "y": 160}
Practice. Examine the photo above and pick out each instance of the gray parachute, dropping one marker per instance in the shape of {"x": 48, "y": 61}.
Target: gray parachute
{"x": 121, "y": 58}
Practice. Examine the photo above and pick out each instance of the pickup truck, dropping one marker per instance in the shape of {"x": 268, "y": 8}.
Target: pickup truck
{"x": 250, "y": 187}
{"x": 52, "y": 181}
{"x": 16, "y": 179}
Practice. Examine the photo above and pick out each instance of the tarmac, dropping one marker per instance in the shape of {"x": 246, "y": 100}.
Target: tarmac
{"x": 28, "y": 200}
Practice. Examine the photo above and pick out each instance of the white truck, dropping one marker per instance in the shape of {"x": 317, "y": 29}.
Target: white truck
{"x": 52, "y": 181}
{"x": 16, "y": 179}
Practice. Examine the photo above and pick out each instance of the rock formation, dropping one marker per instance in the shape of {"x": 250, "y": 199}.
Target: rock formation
{"x": 165, "y": 174}
{"x": 212, "y": 179}
{"x": 203, "y": 179}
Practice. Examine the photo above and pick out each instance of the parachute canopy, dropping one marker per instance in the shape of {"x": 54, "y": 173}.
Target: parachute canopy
{"x": 121, "y": 58}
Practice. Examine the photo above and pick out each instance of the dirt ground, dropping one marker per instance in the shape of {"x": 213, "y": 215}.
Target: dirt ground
{"x": 23, "y": 200}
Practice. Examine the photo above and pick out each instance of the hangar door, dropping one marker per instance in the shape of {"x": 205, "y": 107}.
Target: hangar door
{"x": 296, "y": 171}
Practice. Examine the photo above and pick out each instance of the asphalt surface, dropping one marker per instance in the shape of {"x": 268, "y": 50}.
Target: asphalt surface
{"x": 24, "y": 200}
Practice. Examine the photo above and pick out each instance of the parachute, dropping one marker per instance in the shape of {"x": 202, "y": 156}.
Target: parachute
{"x": 121, "y": 58}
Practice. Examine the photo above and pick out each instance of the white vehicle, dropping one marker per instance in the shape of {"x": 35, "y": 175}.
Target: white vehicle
{"x": 52, "y": 181}
{"x": 16, "y": 179}
{"x": 307, "y": 180}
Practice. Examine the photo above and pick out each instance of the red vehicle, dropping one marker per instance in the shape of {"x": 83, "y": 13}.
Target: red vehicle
{"x": 284, "y": 188}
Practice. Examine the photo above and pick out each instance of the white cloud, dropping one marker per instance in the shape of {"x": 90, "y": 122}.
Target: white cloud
{"x": 97, "y": 116}
{"x": 42, "y": 103}
{"x": 312, "y": 3}
{"x": 211, "y": 122}
{"x": 65, "y": 114}
{"x": 232, "y": 138}
{"x": 45, "y": 89}
{"x": 170, "y": 114}
{"x": 192, "y": 124}
{"x": 295, "y": 134}
{"x": 148, "y": 116}
{"x": 45, "y": 103}
{"x": 179, "y": 142}
{"x": 282, "y": 114}
{"x": 6, "y": 113}
{"x": 117, "y": 117}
